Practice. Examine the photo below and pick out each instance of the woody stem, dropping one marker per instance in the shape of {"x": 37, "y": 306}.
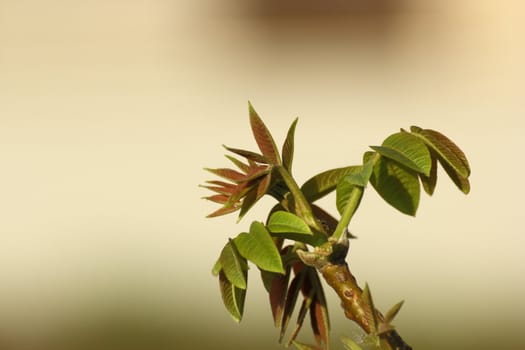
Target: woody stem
{"x": 339, "y": 277}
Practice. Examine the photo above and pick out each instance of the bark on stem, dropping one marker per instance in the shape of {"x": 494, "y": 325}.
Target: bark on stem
{"x": 339, "y": 277}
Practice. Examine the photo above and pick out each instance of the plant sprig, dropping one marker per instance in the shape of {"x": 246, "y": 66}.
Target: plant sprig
{"x": 299, "y": 241}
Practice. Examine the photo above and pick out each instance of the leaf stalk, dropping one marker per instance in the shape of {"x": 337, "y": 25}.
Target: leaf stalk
{"x": 348, "y": 213}
{"x": 301, "y": 205}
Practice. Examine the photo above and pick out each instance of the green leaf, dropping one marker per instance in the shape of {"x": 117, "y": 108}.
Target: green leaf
{"x": 365, "y": 342}
{"x": 461, "y": 182}
{"x": 302, "y": 346}
{"x": 232, "y": 297}
{"x": 447, "y": 150}
{"x": 258, "y": 247}
{"x": 361, "y": 177}
{"x": 263, "y": 138}
{"x": 429, "y": 182}
{"x": 369, "y": 309}
{"x": 323, "y": 183}
{"x": 233, "y": 265}
{"x": 349, "y": 344}
{"x": 343, "y": 191}
{"x": 283, "y": 224}
{"x": 408, "y": 150}
{"x": 217, "y": 267}
{"x": 282, "y": 221}
{"x": 288, "y": 147}
{"x": 450, "y": 156}
{"x": 389, "y": 317}
{"x": 397, "y": 185}
{"x": 399, "y": 158}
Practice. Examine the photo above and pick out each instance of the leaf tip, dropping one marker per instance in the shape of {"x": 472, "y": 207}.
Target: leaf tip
{"x": 251, "y": 109}
{"x": 414, "y": 128}
{"x": 392, "y": 313}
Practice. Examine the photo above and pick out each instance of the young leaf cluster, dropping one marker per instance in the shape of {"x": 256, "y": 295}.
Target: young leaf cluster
{"x": 402, "y": 164}
{"x": 289, "y": 282}
{"x": 396, "y": 169}
{"x": 255, "y": 176}
{"x": 299, "y": 281}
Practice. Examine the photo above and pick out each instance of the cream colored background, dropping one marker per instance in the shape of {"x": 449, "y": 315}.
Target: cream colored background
{"x": 110, "y": 109}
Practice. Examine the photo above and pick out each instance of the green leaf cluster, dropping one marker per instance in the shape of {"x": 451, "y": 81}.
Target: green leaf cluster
{"x": 256, "y": 246}
{"x": 403, "y": 163}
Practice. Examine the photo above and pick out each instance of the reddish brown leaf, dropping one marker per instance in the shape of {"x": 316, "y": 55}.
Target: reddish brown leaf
{"x": 319, "y": 311}
{"x": 262, "y": 188}
{"x": 250, "y": 156}
{"x": 256, "y": 173}
{"x": 291, "y": 299}
{"x": 446, "y": 148}
{"x": 461, "y": 182}
{"x": 218, "y": 198}
{"x": 319, "y": 320}
{"x": 224, "y": 211}
{"x": 221, "y": 184}
{"x": 263, "y": 138}
{"x": 278, "y": 289}
{"x": 249, "y": 200}
{"x": 305, "y": 306}
{"x": 328, "y": 222}
{"x": 239, "y": 164}
{"x": 298, "y": 267}
{"x": 229, "y": 174}
{"x": 309, "y": 280}
{"x": 288, "y": 147}
{"x": 257, "y": 190}
{"x": 310, "y": 287}
{"x": 240, "y": 191}
{"x": 221, "y": 190}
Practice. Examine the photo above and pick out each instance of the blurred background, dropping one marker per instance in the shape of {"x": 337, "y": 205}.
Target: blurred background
{"x": 110, "y": 109}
